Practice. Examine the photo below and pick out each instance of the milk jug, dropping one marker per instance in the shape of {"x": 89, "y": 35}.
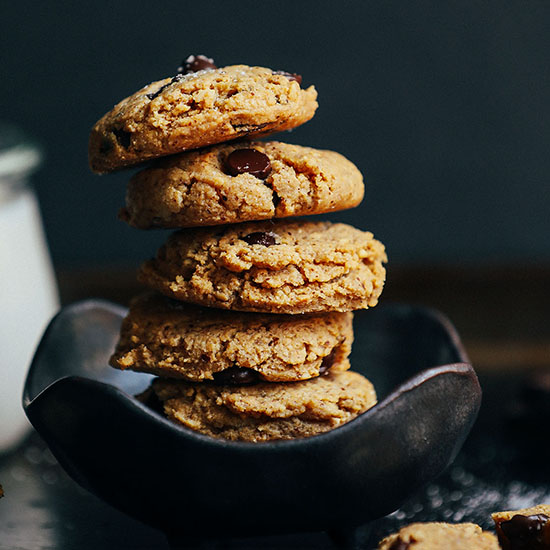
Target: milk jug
{"x": 28, "y": 292}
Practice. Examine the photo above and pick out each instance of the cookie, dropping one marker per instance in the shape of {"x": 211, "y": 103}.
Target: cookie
{"x": 173, "y": 339}
{"x": 274, "y": 267}
{"x": 435, "y": 536}
{"x": 267, "y": 411}
{"x": 197, "y": 109}
{"x": 272, "y": 180}
{"x": 526, "y": 529}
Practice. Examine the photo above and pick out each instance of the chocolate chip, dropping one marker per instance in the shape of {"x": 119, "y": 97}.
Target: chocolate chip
{"x": 290, "y": 76}
{"x": 105, "y": 146}
{"x": 265, "y": 238}
{"x": 123, "y": 137}
{"x": 195, "y": 63}
{"x": 328, "y": 361}
{"x": 400, "y": 545}
{"x": 174, "y": 79}
{"x": 276, "y": 199}
{"x": 525, "y": 532}
{"x": 249, "y": 161}
{"x": 244, "y": 129}
{"x": 236, "y": 376}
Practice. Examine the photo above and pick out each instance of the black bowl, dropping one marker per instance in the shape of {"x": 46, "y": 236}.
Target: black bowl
{"x": 182, "y": 482}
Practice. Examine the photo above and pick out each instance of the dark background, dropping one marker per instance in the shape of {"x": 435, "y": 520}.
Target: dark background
{"x": 442, "y": 105}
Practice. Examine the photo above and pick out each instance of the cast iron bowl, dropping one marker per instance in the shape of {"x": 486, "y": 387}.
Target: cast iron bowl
{"x": 182, "y": 482}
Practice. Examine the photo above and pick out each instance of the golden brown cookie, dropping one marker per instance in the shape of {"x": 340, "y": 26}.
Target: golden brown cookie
{"x": 198, "y": 188}
{"x": 267, "y": 411}
{"x": 528, "y": 528}
{"x": 436, "y": 536}
{"x": 195, "y": 110}
{"x": 274, "y": 267}
{"x": 173, "y": 339}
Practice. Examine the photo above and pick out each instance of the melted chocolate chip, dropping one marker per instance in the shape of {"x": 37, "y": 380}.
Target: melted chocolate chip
{"x": 123, "y": 137}
{"x": 265, "y": 238}
{"x": 174, "y": 79}
{"x": 249, "y": 161}
{"x": 105, "y": 146}
{"x": 236, "y": 376}
{"x": 276, "y": 199}
{"x": 244, "y": 129}
{"x": 328, "y": 361}
{"x": 195, "y": 63}
{"x": 400, "y": 545}
{"x": 525, "y": 532}
{"x": 290, "y": 76}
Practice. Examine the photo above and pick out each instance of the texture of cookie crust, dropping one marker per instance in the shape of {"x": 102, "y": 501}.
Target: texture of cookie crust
{"x": 195, "y": 110}
{"x": 528, "y": 528}
{"x": 267, "y": 411}
{"x": 435, "y": 536}
{"x": 177, "y": 340}
{"x": 194, "y": 188}
{"x": 274, "y": 267}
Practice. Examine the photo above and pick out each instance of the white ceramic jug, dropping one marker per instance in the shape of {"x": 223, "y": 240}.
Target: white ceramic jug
{"x": 28, "y": 291}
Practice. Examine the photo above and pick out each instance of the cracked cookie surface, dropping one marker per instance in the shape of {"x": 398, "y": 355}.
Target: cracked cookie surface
{"x": 196, "y": 110}
{"x": 267, "y": 411}
{"x": 274, "y": 267}
{"x": 435, "y": 536}
{"x": 195, "y": 188}
{"x": 174, "y": 339}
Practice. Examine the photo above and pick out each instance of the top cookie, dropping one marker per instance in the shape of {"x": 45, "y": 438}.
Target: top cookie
{"x": 434, "y": 536}
{"x": 194, "y": 110}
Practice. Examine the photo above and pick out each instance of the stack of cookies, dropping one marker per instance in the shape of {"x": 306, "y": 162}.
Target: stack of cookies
{"x": 249, "y": 322}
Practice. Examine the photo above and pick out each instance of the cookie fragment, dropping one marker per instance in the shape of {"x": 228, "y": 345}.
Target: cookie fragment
{"x": 435, "y": 536}
{"x": 267, "y": 411}
{"x": 199, "y": 188}
{"x": 315, "y": 266}
{"x": 177, "y": 340}
{"x": 526, "y": 529}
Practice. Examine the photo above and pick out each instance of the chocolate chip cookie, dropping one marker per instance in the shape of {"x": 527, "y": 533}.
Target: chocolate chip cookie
{"x": 196, "y": 109}
{"x": 173, "y": 339}
{"x": 267, "y": 411}
{"x": 435, "y": 536}
{"x": 273, "y": 267}
{"x": 241, "y": 181}
{"x": 526, "y": 529}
